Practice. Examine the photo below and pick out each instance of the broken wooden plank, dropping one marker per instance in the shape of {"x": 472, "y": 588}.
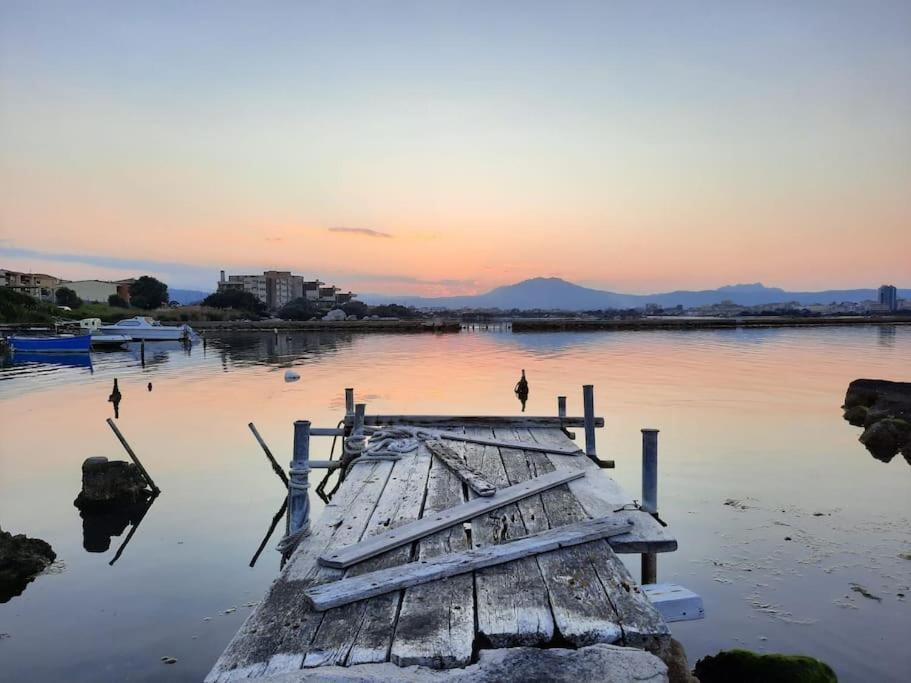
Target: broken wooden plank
{"x": 435, "y": 627}
{"x": 337, "y": 593}
{"x": 358, "y": 552}
{"x": 511, "y": 600}
{"x": 475, "y": 480}
{"x": 599, "y": 494}
{"x": 478, "y": 420}
{"x": 399, "y": 503}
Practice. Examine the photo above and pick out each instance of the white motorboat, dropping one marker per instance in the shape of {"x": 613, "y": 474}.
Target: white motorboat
{"x": 142, "y": 328}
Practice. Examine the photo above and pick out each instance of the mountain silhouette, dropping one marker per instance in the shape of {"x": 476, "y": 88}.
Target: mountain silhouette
{"x": 557, "y": 294}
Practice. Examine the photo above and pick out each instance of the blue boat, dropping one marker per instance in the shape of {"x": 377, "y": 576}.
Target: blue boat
{"x": 62, "y": 344}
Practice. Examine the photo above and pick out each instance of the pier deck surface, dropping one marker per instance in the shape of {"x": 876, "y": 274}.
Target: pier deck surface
{"x": 572, "y": 597}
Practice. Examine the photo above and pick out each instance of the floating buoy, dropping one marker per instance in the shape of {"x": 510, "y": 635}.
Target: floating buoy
{"x": 291, "y": 376}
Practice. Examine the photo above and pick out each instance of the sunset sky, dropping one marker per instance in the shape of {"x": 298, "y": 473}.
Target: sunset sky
{"x": 438, "y": 147}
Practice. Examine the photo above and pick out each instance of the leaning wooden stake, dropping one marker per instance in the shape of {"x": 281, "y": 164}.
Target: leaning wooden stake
{"x": 275, "y": 466}
{"x": 363, "y": 586}
{"x": 133, "y": 457}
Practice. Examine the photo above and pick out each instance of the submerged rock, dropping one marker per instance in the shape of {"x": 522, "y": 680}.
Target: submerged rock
{"x": 744, "y": 666}
{"x": 883, "y": 408}
{"x": 21, "y": 560}
{"x": 107, "y": 482}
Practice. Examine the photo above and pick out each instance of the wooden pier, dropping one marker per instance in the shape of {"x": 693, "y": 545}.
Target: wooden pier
{"x": 570, "y": 597}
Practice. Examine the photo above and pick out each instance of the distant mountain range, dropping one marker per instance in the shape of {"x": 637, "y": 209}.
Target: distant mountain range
{"x": 556, "y": 294}
{"x": 186, "y": 296}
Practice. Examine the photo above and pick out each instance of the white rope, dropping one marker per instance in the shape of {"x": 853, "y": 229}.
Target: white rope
{"x": 386, "y": 441}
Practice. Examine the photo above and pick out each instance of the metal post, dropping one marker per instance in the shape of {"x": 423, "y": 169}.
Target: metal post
{"x": 349, "y": 401}
{"x": 650, "y": 496}
{"x": 360, "y": 409}
{"x": 650, "y": 470}
{"x": 298, "y": 498}
{"x": 588, "y": 405}
{"x": 561, "y": 406}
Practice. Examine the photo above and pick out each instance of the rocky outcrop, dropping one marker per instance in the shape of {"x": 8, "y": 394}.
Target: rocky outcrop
{"x": 110, "y": 482}
{"x": 883, "y": 409}
{"x": 21, "y": 560}
{"x": 744, "y": 666}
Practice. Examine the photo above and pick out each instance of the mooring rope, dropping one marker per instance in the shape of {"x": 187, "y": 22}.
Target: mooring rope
{"x": 289, "y": 541}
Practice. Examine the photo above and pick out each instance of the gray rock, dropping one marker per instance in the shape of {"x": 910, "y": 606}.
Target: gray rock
{"x": 106, "y": 482}
{"x": 883, "y": 408}
{"x": 602, "y": 663}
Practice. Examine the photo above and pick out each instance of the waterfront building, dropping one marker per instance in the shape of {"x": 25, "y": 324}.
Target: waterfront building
{"x": 888, "y": 297}
{"x": 37, "y": 285}
{"x": 100, "y": 290}
{"x": 275, "y": 288}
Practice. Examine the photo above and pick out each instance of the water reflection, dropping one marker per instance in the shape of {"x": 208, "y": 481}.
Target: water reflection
{"x": 886, "y": 335}
{"x": 100, "y": 524}
{"x": 275, "y": 518}
{"x": 114, "y": 399}
{"x": 75, "y": 360}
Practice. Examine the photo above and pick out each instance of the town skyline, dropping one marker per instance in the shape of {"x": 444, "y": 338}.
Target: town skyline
{"x": 454, "y": 147}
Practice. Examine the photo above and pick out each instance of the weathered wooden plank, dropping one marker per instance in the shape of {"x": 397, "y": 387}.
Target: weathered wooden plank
{"x": 640, "y": 620}
{"x": 479, "y": 420}
{"x": 436, "y": 621}
{"x": 446, "y": 517}
{"x": 281, "y": 626}
{"x": 382, "y": 581}
{"x": 476, "y": 481}
{"x": 367, "y": 626}
{"x": 582, "y": 611}
{"x": 599, "y": 495}
{"x": 511, "y": 599}
{"x": 571, "y": 450}
{"x": 640, "y": 623}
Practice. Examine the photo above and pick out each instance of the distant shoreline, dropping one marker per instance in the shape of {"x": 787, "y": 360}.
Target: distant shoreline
{"x": 681, "y": 323}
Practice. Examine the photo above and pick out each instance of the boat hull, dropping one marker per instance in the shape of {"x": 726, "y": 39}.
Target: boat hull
{"x": 146, "y": 334}
{"x": 80, "y": 344}
{"x": 110, "y": 341}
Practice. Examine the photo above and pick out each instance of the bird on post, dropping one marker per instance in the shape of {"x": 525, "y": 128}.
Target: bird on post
{"x": 521, "y": 390}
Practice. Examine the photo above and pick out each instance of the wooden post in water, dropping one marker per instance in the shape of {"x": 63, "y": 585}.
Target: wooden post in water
{"x": 588, "y": 405}
{"x": 650, "y": 496}
{"x": 349, "y": 401}
{"x": 298, "y": 498}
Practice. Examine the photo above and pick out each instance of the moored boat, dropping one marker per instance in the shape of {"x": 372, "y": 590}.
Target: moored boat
{"x": 110, "y": 341}
{"x": 59, "y": 344}
{"x": 146, "y": 329}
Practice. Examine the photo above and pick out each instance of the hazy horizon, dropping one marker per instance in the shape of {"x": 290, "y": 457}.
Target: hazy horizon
{"x": 452, "y": 147}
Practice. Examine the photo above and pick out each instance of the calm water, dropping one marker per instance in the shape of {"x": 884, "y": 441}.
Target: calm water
{"x": 747, "y": 416}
